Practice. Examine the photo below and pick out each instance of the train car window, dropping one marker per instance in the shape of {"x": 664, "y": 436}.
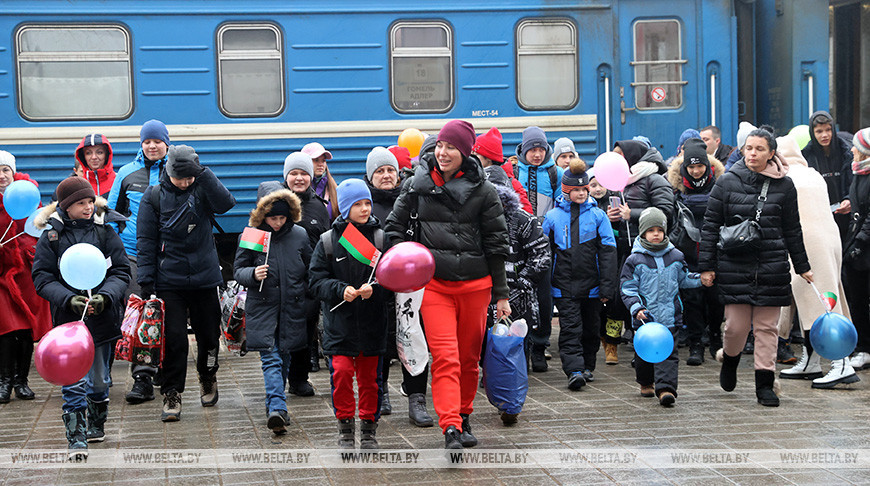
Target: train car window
{"x": 71, "y": 72}
{"x": 547, "y": 71}
{"x": 421, "y": 67}
{"x": 250, "y": 70}
{"x": 658, "y": 74}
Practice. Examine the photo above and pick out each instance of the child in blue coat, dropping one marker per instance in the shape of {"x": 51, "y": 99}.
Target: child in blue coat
{"x": 651, "y": 280}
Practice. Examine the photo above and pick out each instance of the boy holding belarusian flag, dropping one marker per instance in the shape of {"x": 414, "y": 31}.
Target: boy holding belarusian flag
{"x": 354, "y": 311}
{"x": 272, "y": 262}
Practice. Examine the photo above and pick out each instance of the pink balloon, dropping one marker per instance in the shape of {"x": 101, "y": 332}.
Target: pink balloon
{"x": 65, "y": 354}
{"x": 612, "y": 171}
{"x": 406, "y": 267}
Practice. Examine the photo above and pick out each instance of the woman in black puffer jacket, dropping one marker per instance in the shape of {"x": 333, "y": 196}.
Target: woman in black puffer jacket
{"x": 756, "y": 284}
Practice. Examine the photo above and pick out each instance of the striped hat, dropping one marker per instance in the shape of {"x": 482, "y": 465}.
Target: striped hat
{"x": 861, "y": 141}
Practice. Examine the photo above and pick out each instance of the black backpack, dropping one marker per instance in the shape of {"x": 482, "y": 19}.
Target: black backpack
{"x": 685, "y": 234}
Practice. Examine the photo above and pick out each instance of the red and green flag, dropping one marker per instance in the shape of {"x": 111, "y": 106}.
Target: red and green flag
{"x": 359, "y": 246}
{"x": 255, "y": 239}
{"x": 830, "y": 298}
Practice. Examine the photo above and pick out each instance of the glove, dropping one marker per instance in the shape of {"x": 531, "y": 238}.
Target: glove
{"x": 99, "y": 302}
{"x": 147, "y": 291}
{"x": 77, "y": 304}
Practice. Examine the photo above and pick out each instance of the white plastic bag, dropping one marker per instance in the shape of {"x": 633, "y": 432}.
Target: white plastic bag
{"x": 410, "y": 340}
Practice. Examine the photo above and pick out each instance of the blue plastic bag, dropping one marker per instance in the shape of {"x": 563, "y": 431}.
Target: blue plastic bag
{"x": 505, "y": 376}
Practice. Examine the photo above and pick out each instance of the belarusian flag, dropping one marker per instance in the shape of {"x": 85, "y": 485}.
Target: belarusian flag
{"x": 358, "y": 246}
{"x": 254, "y": 239}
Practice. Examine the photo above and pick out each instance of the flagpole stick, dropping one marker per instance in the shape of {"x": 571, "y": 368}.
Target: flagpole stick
{"x": 819, "y": 295}
{"x": 265, "y": 263}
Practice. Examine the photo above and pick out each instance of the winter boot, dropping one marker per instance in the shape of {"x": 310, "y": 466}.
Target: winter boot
{"x": 860, "y": 360}
{"x": 171, "y": 407}
{"x": 142, "y": 390}
{"x": 76, "y": 424}
{"x": 345, "y": 433}
{"x": 696, "y": 355}
{"x": 7, "y": 363}
{"x": 314, "y": 350}
{"x": 610, "y": 356}
{"x": 451, "y": 438}
{"x": 24, "y": 353}
{"x": 417, "y": 413}
{"x": 277, "y": 421}
{"x": 466, "y": 437}
{"x": 764, "y": 388}
{"x": 98, "y": 412}
{"x": 367, "y": 429}
{"x": 208, "y": 391}
{"x": 841, "y": 373}
{"x": 300, "y": 389}
{"x": 386, "y": 406}
{"x": 807, "y": 368}
{"x": 539, "y": 362}
{"x": 749, "y": 347}
{"x": 728, "y": 373}
{"x": 783, "y": 352}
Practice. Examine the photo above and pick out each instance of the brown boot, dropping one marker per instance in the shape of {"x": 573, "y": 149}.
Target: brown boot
{"x": 610, "y": 356}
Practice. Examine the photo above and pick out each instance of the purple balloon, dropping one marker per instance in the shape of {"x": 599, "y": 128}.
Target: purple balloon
{"x": 406, "y": 267}
{"x": 65, "y": 354}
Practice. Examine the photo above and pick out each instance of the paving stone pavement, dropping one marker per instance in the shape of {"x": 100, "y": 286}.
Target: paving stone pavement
{"x": 608, "y": 414}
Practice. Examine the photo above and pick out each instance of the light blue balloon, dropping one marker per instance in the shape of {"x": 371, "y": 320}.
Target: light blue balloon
{"x": 83, "y": 266}
{"x": 20, "y": 199}
{"x": 29, "y": 226}
{"x": 833, "y": 336}
{"x": 653, "y": 342}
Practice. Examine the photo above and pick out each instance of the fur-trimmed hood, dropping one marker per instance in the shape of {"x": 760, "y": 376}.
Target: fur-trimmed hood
{"x": 676, "y": 179}
{"x": 264, "y": 205}
{"x": 102, "y": 214}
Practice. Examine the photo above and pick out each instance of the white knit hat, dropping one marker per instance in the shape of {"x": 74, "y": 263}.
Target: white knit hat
{"x": 743, "y": 133}
{"x": 7, "y": 159}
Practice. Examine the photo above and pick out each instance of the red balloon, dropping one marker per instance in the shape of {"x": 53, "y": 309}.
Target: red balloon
{"x": 65, "y": 354}
{"x": 406, "y": 267}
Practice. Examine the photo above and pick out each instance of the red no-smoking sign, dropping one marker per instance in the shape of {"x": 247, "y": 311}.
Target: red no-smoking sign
{"x": 658, "y": 94}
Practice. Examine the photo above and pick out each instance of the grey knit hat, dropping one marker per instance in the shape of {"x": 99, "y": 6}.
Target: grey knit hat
{"x": 650, "y": 217}
{"x": 298, "y": 160}
{"x": 379, "y": 157}
{"x": 563, "y": 145}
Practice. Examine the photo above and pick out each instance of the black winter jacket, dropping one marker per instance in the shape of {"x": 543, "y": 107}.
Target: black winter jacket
{"x": 176, "y": 248}
{"x": 461, "y": 222}
{"x": 761, "y": 277}
{"x": 652, "y": 190}
{"x": 354, "y": 327}
{"x": 383, "y": 201}
{"x": 278, "y": 311}
{"x": 51, "y": 286}
{"x": 858, "y": 237}
{"x": 835, "y": 167}
{"x": 315, "y": 218}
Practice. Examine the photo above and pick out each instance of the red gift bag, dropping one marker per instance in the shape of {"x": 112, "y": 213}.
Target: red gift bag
{"x": 142, "y": 341}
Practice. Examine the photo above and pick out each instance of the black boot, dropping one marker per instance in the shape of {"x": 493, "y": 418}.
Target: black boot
{"x": 783, "y": 352}
{"x": 749, "y": 347}
{"x": 417, "y": 413}
{"x": 539, "y": 361}
{"x": 23, "y": 355}
{"x": 143, "y": 389}
{"x": 728, "y": 374}
{"x": 451, "y": 438}
{"x": 386, "y": 406}
{"x": 466, "y": 437}
{"x": 314, "y": 350}
{"x": 98, "y": 412}
{"x": 345, "y": 433}
{"x": 7, "y": 363}
{"x": 367, "y": 429}
{"x": 696, "y": 354}
{"x": 764, "y": 388}
{"x": 76, "y": 424}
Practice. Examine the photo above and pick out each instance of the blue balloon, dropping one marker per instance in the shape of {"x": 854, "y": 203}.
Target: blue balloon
{"x": 833, "y": 336}
{"x": 83, "y": 266}
{"x": 20, "y": 199}
{"x": 653, "y": 342}
{"x": 29, "y": 226}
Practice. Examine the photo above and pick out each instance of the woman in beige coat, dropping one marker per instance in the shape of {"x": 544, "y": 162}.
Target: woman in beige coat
{"x": 824, "y": 250}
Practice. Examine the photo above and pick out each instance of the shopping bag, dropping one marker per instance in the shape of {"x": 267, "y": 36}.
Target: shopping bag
{"x": 410, "y": 340}
{"x": 505, "y": 376}
{"x": 128, "y": 328}
{"x": 149, "y": 341}
{"x": 233, "y": 318}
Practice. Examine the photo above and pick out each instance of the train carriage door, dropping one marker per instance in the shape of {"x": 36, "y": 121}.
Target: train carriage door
{"x": 657, "y": 89}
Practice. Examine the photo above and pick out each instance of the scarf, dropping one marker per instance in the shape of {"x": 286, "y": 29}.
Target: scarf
{"x": 696, "y": 185}
{"x": 654, "y": 246}
{"x": 861, "y": 167}
{"x": 641, "y": 170}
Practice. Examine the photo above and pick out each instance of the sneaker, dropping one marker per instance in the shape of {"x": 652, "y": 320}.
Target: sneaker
{"x": 466, "y": 438}
{"x": 539, "y": 362}
{"x": 841, "y": 373}
{"x": 807, "y": 368}
{"x": 576, "y": 380}
{"x": 547, "y": 355}
{"x": 208, "y": 391}
{"x": 142, "y": 390}
{"x": 860, "y": 360}
{"x": 610, "y": 355}
{"x": 784, "y": 354}
{"x": 451, "y": 438}
{"x": 666, "y": 399}
{"x": 417, "y": 413}
{"x": 647, "y": 391}
{"x": 587, "y": 375}
{"x": 171, "y": 407}
{"x": 696, "y": 355}
{"x": 509, "y": 419}
{"x": 301, "y": 389}
{"x": 277, "y": 422}
{"x": 367, "y": 432}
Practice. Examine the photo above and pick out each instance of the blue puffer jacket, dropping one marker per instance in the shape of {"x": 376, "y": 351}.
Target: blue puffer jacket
{"x": 126, "y": 195}
{"x": 584, "y": 250}
{"x": 548, "y": 187}
{"x": 652, "y": 280}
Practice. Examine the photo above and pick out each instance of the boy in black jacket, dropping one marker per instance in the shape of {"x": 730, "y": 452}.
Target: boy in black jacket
{"x": 73, "y": 220}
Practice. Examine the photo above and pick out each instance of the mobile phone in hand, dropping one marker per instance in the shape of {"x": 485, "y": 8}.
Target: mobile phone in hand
{"x": 615, "y": 201}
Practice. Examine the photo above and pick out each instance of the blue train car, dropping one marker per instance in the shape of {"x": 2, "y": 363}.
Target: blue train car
{"x": 246, "y": 83}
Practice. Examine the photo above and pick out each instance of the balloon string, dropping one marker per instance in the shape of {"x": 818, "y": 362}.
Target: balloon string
{"x": 7, "y": 231}
{"x": 86, "y": 306}
{"x": 821, "y": 299}
{"x": 10, "y": 239}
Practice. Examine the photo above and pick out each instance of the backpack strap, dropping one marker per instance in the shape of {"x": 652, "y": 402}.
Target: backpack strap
{"x": 379, "y": 238}
{"x": 554, "y": 175}
{"x": 326, "y": 240}
{"x": 155, "y": 202}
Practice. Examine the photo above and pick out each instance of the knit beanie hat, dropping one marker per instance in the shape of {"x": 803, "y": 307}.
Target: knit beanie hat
{"x": 7, "y": 159}
{"x": 378, "y": 158}
{"x": 460, "y": 134}
{"x": 533, "y": 137}
{"x": 154, "y": 129}
{"x": 298, "y": 160}
{"x": 563, "y": 145}
{"x": 687, "y": 134}
{"x": 496, "y": 175}
{"x": 642, "y": 139}
{"x": 279, "y": 208}
{"x": 402, "y": 154}
{"x": 489, "y": 145}
{"x": 349, "y": 192}
{"x": 182, "y": 162}
{"x": 695, "y": 152}
{"x": 743, "y": 133}
{"x": 315, "y": 150}
{"x": 860, "y": 141}
{"x": 428, "y": 145}
{"x": 73, "y": 189}
{"x": 575, "y": 176}
{"x": 651, "y": 217}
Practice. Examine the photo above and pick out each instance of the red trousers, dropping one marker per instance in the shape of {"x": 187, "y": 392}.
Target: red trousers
{"x": 455, "y": 320}
{"x": 368, "y": 381}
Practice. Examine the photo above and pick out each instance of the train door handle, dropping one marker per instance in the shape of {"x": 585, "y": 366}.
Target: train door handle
{"x": 622, "y": 108}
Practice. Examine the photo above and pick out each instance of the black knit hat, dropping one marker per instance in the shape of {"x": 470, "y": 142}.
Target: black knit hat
{"x": 73, "y": 189}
